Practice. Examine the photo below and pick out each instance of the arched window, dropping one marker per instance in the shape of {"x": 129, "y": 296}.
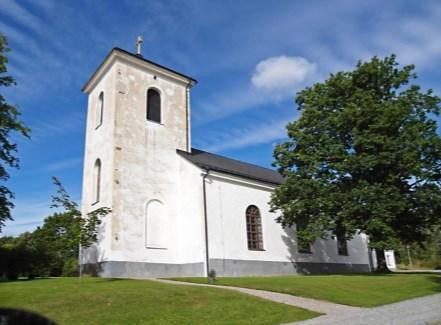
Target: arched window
{"x": 99, "y": 111}
{"x": 156, "y": 227}
{"x": 254, "y": 228}
{"x": 153, "y": 105}
{"x": 96, "y": 181}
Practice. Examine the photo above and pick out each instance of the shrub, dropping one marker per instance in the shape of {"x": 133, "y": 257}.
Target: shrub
{"x": 70, "y": 267}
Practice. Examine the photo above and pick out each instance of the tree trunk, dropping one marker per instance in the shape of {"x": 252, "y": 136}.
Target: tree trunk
{"x": 381, "y": 262}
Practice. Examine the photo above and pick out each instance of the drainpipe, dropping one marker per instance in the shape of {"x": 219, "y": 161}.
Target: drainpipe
{"x": 188, "y": 124}
{"x": 207, "y": 255}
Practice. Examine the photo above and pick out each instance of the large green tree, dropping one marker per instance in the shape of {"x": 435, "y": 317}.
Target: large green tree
{"x": 363, "y": 156}
{"x": 9, "y": 123}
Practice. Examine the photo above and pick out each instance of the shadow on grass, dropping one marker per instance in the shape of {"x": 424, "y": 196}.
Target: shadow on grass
{"x": 59, "y": 278}
{"x": 111, "y": 279}
{"x": 24, "y": 280}
{"x": 437, "y": 280}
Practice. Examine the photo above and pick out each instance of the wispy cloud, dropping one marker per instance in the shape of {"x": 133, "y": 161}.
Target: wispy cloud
{"x": 234, "y": 102}
{"x": 61, "y": 165}
{"x": 27, "y": 214}
{"x": 59, "y": 125}
{"x": 22, "y": 16}
{"x": 254, "y": 135}
{"x": 415, "y": 40}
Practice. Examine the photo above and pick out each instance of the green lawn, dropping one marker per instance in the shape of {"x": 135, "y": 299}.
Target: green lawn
{"x": 354, "y": 290}
{"x": 114, "y": 301}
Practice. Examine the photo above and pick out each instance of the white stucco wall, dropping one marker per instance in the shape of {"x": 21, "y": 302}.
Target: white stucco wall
{"x": 139, "y": 160}
{"x": 146, "y": 163}
{"x": 191, "y": 214}
{"x": 229, "y": 197}
{"x": 99, "y": 145}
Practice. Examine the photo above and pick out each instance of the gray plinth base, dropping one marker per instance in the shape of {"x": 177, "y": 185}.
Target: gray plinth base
{"x": 229, "y": 267}
{"x": 223, "y": 267}
{"x": 118, "y": 269}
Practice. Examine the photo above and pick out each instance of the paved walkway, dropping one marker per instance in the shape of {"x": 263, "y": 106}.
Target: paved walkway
{"x": 418, "y": 311}
{"x": 416, "y": 271}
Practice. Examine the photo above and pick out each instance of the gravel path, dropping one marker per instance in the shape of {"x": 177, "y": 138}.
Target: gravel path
{"x": 320, "y": 306}
{"x": 418, "y": 311}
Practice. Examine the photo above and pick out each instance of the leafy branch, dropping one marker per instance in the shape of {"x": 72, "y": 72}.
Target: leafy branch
{"x": 87, "y": 233}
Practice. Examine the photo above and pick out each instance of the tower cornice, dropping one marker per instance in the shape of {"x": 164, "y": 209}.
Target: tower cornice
{"x": 117, "y": 54}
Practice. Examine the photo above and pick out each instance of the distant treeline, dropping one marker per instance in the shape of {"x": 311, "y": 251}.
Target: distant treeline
{"x": 50, "y": 250}
{"x": 426, "y": 255}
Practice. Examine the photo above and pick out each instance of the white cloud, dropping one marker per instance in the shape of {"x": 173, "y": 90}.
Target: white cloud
{"x": 282, "y": 74}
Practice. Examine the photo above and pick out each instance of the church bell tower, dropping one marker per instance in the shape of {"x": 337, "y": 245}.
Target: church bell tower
{"x": 138, "y": 116}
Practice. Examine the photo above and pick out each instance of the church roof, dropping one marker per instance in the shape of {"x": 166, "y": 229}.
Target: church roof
{"x": 230, "y": 166}
{"x": 117, "y": 50}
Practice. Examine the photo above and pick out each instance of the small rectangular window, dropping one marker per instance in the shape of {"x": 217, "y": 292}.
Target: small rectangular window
{"x": 302, "y": 247}
{"x": 99, "y": 111}
{"x": 342, "y": 245}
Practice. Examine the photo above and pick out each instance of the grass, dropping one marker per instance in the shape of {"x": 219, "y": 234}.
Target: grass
{"x": 114, "y": 301}
{"x": 354, "y": 290}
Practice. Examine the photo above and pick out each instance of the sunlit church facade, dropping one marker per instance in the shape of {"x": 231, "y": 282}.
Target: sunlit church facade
{"x": 177, "y": 210}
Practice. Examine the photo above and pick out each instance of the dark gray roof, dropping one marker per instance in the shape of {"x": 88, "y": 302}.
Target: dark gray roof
{"x": 117, "y": 49}
{"x": 230, "y": 166}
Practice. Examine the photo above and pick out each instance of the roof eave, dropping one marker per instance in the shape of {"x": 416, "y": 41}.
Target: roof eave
{"x": 184, "y": 155}
{"x": 113, "y": 55}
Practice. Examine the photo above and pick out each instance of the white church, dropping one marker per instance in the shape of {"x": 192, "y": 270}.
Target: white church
{"x": 177, "y": 210}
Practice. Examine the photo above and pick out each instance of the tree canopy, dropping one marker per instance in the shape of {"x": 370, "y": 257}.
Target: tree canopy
{"x": 52, "y": 249}
{"x": 363, "y": 156}
{"x": 9, "y": 123}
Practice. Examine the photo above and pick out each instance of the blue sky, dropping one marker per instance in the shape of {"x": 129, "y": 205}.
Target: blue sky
{"x": 250, "y": 58}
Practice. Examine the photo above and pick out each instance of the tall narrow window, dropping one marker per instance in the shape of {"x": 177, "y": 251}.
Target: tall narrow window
{"x": 342, "y": 244}
{"x": 302, "y": 247}
{"x": 254, "y": 228}
{"x": 99, "y": 111}
{"x": 96, "y": 181}
{"x": 153, "y": 105}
